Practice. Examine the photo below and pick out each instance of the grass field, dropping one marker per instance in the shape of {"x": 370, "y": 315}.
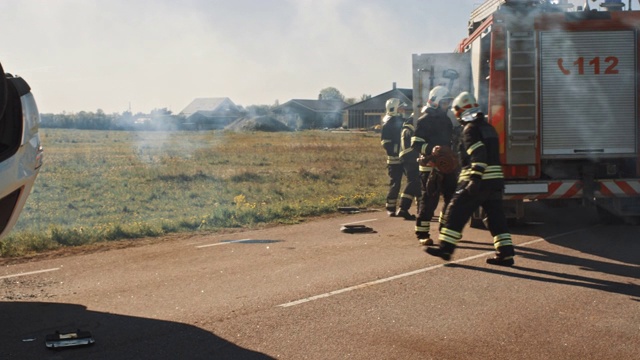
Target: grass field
{"x": 100, "y": 186}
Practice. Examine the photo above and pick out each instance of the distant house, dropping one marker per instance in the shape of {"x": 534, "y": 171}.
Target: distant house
{"x": 210, "y": 113}
{"x": 369, "y": 113}
{"x": 311, "y": 114}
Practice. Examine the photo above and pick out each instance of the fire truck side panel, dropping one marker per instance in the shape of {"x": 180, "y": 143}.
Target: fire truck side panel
{"x": 588, "y": 94}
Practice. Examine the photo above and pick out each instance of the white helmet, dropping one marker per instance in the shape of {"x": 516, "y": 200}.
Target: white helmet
{"x": 465, "y": 107}
{"x": 436, "y": 95}
{"x": 392, "y": 106}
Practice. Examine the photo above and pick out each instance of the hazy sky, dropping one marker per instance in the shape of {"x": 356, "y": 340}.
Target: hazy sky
{"x": 84, "y": 55}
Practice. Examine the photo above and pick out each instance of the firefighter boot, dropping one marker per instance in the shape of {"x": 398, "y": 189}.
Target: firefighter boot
{"x": 423, "y": 237}
{"x": 504, "y": 256}
{"x": 391, "y": 211}
{"x": 405, "y": 215}
{"x": 443, "y": 251}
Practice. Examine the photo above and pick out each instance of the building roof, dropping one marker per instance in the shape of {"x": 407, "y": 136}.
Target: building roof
{"x": 379, "y": 101}
{"x": 317, "y": 105}
{"x": 208, "y": 106}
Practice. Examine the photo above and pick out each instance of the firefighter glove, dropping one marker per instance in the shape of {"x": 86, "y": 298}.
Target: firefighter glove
{"x": 425, "y": 160}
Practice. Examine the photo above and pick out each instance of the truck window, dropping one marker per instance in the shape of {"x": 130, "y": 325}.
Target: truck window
{"x": 10, "y": 121}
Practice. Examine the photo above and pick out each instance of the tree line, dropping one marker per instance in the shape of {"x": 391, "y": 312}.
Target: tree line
{"x": 157, "y": 119}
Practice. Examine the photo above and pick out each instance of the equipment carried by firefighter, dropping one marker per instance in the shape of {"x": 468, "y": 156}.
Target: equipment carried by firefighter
{"x": 444, "y": 159}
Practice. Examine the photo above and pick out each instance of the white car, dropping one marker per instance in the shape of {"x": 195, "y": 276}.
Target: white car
{"x": 20, "y": 147}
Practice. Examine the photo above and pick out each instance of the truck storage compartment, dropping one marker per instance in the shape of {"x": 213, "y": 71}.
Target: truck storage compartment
{"x": 588, "y": 93}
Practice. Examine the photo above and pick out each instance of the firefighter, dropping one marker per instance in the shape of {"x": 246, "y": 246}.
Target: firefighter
{"x": 457, "y": 131}
{"x": 433, "y": 129}
{"x": 390, "y": 140}
{"x": 409, "y": 160}
{"x": 480, "y": 183}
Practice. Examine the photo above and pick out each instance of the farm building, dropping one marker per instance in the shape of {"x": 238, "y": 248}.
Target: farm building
{"x": 369, "y": 113}
{"x": 210, "y": 113}
{"x": 311, "y": 114}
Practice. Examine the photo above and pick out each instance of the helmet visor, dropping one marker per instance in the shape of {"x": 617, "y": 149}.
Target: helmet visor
{"x": 469, "y": 115}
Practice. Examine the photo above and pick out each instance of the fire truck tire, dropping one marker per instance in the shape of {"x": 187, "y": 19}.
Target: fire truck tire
{"x": 477, "y": 224}
{"x": 514, "y": 222}
{"x": 633, "y": 220}
{"x": 606, "y": 217}
{"x": 478, "y": 219}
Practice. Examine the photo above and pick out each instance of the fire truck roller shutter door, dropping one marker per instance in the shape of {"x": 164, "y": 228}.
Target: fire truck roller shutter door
{"x": 573, "y": 63}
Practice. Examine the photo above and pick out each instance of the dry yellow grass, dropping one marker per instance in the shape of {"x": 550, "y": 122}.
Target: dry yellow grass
{"x": 109, "y": 185}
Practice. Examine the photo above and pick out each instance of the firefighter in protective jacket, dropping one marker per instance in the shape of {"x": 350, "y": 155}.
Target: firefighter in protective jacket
{"x": 480, "y": 183}
{"x": 390, "y": 140}
{"x": 409, "y": 160}
{"x": 433, "y": 129}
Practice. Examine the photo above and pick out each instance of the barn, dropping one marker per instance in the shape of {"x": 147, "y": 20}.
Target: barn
{"x": 369, "y": 113}
{"x": 210, "y": 113}
{"x": 311, "y": 114}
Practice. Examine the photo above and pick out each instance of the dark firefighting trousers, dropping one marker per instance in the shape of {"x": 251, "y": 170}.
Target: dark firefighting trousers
{"x": 433, "y": 184}
{"x": 395, "y": 172}
{"x": 460, "y": 210}
{"x": 411, "y": 190}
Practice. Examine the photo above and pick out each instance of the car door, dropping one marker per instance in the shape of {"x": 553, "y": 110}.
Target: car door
{"x": 20, "y": 147}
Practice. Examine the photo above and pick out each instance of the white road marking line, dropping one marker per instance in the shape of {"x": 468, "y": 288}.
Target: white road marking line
{"x": 222, "y": 243}
{"x": 28, "y": 273}
{"x": 358, "y": 222}
{"x": 415, "y": 272}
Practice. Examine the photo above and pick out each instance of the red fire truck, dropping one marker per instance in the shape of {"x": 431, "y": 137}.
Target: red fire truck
{"x": 561, "y": 86}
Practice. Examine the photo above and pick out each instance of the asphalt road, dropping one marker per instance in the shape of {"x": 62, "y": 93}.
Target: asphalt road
{"x": 309, "y": 291}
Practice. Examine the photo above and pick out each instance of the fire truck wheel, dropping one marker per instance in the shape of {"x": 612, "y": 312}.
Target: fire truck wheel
{"x": 478, "y": 219}
{"x": 606, "y": 217}
{"x": 476, "y": 224}
{"x": 633, "y": 220}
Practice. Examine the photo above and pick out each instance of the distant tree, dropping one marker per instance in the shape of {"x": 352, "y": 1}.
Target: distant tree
{"x": 331, "y": 93}
{"x": 351, "y": 101}
{"x": 160, "y": 112}
{"x": 82, "y": 120}
{"x": 365, "y": 97}
{"x": 124, "y": 121}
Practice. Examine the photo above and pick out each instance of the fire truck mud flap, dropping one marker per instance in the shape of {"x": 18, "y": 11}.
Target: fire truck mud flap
{"x": 513, "y": 211}
{"x": 618, "y": 211}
